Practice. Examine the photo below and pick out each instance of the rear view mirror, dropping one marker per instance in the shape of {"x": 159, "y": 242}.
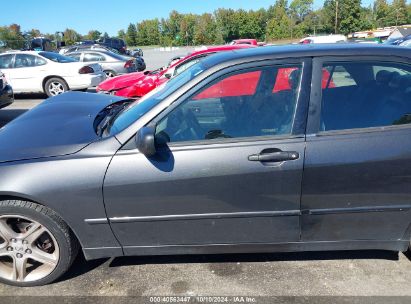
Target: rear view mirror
{"x": 145, "y": 141}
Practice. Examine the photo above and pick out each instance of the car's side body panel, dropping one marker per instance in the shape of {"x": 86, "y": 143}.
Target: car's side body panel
{"x": 355, "y": 192}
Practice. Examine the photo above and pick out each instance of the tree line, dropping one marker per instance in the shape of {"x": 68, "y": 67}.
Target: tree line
{"x": 282, "y": 20}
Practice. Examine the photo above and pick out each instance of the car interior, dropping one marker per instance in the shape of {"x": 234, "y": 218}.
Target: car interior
{"x": 366, "y": 95}
{"x": 241, "y": 105}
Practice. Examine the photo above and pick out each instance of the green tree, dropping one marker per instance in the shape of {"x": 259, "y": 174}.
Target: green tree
{"x": 71, "y": 36}
{"x": 93, "y": 35}
{"x": 279, "y": 25}
{"x": 299, "y": 9}
{"x": 121, "y": 34}
{"x": 382, "y": 12}
{"x": 205, "y": 30}
{"x": 227, "y": 24}
{"x": 399, "y": 11}
{"x": 187, "y": 26}
{"x": 131, "y": 35}
{"x": 349, "y": 16}
{"x": 148, "y": 32}
{"x": 12, "y": 37}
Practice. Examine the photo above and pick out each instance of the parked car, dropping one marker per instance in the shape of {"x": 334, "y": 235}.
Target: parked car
{"x": 81, "y": 47}
{"x": 406, "y": 43}
{"x": 139, "y": 84}
{"x": 48, "y": 72}
{"x": 135, "y": 52}
{"x": 114, "y": 43}
{"x": 324, "y": 39}
{"x": 111, "y": 63}
{"x": 6, "y": 92}
{"x": 40, "y": 44}
{"x": 195, "y": 167}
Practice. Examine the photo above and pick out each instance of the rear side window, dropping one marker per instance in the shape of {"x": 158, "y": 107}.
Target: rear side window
{"x": 6, "y": 61}
{"x": 93, "y": 57}
{"x": 366, "y": 94}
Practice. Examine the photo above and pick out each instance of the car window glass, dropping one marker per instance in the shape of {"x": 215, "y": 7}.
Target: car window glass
{"x": 93, "y": 57}
{"x": 39, "y": 61}
{"x": 380, "y": 95}
{"x": 6, "y": 61}
{"x": 184, "y": 66}
{"x": 258, "y": 102}
{"x": 75, "y": 56}
{"x": 338, "y": 76}
{"x": 25, "y": 61}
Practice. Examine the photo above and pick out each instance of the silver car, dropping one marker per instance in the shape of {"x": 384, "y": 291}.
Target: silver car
{"x": 112, "y": 64}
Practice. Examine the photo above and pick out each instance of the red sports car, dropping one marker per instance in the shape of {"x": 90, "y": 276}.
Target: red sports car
{"x": 140, "y": 83}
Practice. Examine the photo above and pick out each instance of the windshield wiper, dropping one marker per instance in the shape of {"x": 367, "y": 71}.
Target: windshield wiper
{"x": 106, "y": 122}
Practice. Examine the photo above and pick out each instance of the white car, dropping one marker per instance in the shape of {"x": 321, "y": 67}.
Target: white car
{"x": 324, "y": 39}
{"x": 48, "y": 72}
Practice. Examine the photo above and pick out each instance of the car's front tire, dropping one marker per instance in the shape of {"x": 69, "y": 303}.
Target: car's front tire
{"x": 55, "y": 86}
{"x": 36, "y": 245}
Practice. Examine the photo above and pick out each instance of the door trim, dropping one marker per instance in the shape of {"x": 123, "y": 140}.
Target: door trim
{"x": 128, "y": 219}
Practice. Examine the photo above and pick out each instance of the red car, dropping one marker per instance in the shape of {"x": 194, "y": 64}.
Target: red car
{"x": 140, "y": 83}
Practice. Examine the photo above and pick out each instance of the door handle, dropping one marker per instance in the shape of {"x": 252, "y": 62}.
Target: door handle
{"x": 274, "y": 156}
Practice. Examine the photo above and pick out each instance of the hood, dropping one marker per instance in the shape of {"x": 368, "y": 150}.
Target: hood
{"x": 123, "y": 81}
{"x": 60, "y": 125}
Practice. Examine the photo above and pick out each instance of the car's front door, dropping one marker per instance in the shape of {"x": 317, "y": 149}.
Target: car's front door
{"x": 230, "y": 172}
{"x": 356, "y": 184}
{"x": 27, "y": 73}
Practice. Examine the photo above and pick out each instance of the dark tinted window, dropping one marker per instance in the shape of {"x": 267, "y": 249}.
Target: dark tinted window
{"x": 6, "y": 61}
{"x": 56, "y": 57}
{"x": 366, "y": 95}
{"x": 249, "y": 103}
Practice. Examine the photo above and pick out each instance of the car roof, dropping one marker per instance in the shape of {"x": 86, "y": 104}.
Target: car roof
{"x": 20, "y": 52}
{"x": 307, "y": 50}
{"x": 214, "y": 49}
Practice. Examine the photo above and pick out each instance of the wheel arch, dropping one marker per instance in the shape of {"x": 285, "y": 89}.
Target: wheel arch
{"x": 7, "y": 196}
{"x": 43, "y": 84}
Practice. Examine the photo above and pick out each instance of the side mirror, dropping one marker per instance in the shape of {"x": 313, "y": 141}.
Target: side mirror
{"x": 145, "y": 140}
{"x": 167, "y": 75}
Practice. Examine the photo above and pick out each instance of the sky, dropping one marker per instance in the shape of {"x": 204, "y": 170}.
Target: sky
{"x": 110, "y": 16}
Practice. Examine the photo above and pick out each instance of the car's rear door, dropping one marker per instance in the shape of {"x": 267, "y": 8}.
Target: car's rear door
{"x": 230, "y": 172}
{"x": 357, "y": 171}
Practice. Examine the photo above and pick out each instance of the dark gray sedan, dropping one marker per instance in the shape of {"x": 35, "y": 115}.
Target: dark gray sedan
{"x": 288, "y": 148}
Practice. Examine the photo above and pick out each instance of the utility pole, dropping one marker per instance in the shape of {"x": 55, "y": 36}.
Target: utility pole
{"x": 336, "y": 17}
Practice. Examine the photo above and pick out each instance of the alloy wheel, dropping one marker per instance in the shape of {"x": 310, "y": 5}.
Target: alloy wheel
{"x": 56, "y": 88}
{"x": 28, "y": 250}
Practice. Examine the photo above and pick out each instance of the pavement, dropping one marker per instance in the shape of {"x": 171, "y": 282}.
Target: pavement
{"x": 345, "y": 273}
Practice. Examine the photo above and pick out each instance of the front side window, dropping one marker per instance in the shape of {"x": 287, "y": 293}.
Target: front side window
{"x": 6, "y": 61}
{"x": 366, "y": 94}
{"x": 26, "y": 61}
{"x": 257, "y": 102}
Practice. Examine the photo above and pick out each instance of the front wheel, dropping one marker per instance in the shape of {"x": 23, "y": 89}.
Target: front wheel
{"x": 55, "y": 86}
{"x": 36, "y": 246}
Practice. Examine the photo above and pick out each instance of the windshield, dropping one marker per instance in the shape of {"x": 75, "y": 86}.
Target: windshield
{"x": 149, "y": 101}
{"x": 56, "y": 57}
